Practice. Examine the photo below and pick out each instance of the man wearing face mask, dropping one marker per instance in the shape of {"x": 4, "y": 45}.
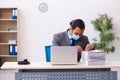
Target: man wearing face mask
{"x": 73, "y": 37}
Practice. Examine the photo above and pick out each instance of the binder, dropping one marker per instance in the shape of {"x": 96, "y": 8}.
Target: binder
{"x": 10, "y": 49}
{"x": 0, "y": 62}
{"x": 13, "y": 49}
{"x": 15, "y": 52}
{"x": 14, "y": 13}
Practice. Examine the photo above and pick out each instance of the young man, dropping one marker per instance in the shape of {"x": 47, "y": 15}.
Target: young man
{"x": 73, "y": 37}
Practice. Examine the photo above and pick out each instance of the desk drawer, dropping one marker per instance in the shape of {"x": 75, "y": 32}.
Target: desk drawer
{"x": 69, "y": 75}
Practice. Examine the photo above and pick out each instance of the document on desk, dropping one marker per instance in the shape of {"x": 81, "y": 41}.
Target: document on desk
{"x": 94, "y": 57}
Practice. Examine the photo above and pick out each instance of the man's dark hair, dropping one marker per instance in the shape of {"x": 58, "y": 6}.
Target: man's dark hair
{"x": 77, "y": 23}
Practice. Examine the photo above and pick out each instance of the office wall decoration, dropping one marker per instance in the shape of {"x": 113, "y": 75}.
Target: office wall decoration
{"x": 43, "y": 7}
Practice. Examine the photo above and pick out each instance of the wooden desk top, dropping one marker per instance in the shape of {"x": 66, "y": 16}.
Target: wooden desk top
{"x": 48, "y": 65}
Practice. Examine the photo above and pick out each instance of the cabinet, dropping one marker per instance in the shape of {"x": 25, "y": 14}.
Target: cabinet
{"x": 8, "y": 34}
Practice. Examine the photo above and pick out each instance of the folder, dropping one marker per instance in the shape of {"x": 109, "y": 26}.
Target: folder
{"x": 10, "y": 49}
{"x": 16, "y": 50}
{"x": 0, "y": 61}
{"x": 14, "y": 13}
{"x": 13, "y": 50}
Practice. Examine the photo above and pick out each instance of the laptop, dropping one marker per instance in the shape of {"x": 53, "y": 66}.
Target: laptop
{"x": 63, "y": 55}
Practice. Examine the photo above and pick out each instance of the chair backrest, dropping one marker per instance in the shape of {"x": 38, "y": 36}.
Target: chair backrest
{"x": 48, "y": 53}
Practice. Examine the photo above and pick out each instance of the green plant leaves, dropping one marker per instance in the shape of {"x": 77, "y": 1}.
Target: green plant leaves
{"x": 104, "y": 25}
{"x": 108, "y": 37}
{"x": 97, "y": 25}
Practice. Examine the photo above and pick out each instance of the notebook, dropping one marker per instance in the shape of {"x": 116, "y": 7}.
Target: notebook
{"x": 63, "y": 55}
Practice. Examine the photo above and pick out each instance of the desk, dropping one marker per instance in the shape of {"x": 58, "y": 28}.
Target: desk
{"x": 46, "y": 71}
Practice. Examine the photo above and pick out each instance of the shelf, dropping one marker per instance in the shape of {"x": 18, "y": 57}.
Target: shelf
{"x": 9, "y": 56}
{"x": 7, "y": 8}
{"x": 8, "y": 31}
{"x": 6, "y": 44}
{"x": 8, "y": 19}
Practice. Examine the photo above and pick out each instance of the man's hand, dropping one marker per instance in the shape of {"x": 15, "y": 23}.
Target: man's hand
{"x": 79, "y": 48}
{"x": 89, "y": 47}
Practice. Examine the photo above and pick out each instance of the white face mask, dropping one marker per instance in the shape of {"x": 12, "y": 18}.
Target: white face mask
{"x": 75, "y": 37}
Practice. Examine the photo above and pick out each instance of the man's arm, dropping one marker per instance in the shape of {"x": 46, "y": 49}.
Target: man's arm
{"x": 89, "y": 47}
{"x": 55, "y": 41}
{"x": 84, "y": 44}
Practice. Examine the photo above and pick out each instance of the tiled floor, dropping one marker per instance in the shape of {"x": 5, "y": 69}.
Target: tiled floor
{"x": 7, "y": 74}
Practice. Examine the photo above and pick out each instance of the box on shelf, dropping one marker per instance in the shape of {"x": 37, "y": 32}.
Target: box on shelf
{"x": 12, "y": 42}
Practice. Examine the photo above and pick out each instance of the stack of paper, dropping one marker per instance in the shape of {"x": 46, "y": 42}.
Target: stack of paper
{"x": 94, "y": 57}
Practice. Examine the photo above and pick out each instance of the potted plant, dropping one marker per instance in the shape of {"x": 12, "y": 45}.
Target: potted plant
{"x": 103, "y": 24}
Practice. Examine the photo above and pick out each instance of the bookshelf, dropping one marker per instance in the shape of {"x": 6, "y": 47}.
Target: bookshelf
{"x": 8, "y": 32}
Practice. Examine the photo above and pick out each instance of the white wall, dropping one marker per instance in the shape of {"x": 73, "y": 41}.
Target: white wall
{"x": 37, "y": 29}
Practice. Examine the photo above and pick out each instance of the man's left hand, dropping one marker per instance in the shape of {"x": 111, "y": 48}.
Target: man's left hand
{"x": 89, "y": 47}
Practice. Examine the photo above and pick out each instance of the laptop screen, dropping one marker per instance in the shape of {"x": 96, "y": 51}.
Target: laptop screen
{"x": 63, "y": 55}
